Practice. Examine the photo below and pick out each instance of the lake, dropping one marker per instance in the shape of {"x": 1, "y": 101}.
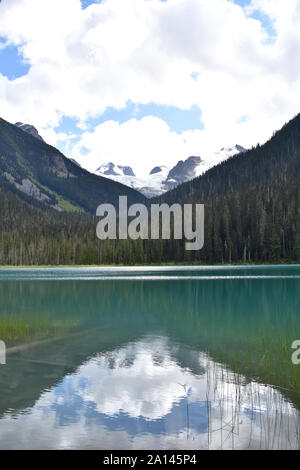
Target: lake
{"x": 150, "y": 358}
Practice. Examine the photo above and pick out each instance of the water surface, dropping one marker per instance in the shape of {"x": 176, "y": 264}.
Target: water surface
{"x": 169, "y": 358}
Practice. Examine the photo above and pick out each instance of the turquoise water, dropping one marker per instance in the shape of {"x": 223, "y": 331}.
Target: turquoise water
{"x": 169, "y": 358}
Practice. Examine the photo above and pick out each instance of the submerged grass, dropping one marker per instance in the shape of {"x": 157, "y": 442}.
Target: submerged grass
{"x": 14, "y": 328}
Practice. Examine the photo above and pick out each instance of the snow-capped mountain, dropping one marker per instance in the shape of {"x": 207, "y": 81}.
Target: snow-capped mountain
{"x": 212, "y": 159}
{"x": 110, "y": 169}
{"x": 162, "y": 178}
{"x": 182, "y": 171}
{"x": 149, "y": 186}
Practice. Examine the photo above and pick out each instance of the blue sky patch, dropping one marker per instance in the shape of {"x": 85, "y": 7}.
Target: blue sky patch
{"x": 177, "y": 119}
{"x": 243, "y": 119}
{"x": 267, "y": 24}
{"x": 242, "y": 3}
{"x": 265, "y": 20}
{"x": 87, "y": 3}
{"x": 12, "y": 64}
{"x": 68, "y": 125}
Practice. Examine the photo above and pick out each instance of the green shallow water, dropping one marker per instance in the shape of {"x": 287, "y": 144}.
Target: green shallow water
{"x": 150, "y": 357}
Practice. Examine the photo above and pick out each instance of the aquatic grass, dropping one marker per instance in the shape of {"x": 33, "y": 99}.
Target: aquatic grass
{"x": 14, "y": 328}
{"x": 265, "y": 362}
{"x": 266, "y": 359}
{"x": 273, "y": 422}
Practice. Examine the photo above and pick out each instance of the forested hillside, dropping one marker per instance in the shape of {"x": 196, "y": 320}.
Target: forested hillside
{"x": 41, "y": 175}
{"x": 252, "y": 202}
{"x": 252, "y": 209}
{"x": 34, "y": 236}
{"x": 48, "y": 202}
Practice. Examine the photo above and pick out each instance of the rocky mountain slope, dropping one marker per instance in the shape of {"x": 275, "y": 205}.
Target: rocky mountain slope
{"x": 252, "y": 207}
{"x": 42, "y": 176}
{"x": 29, "y": 129}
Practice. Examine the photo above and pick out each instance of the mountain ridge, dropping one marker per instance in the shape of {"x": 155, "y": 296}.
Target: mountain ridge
{"x": 29, "y": 129}
{"x": 252, "y": 210}
{"x": 41, "y": 174}
{"x": 161, "y": 178}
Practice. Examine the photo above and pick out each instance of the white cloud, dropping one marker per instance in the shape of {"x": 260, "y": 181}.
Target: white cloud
{"x": 83, "y": 61}
{"x": 149, "y": 142}
{"x": 146, "y": 143}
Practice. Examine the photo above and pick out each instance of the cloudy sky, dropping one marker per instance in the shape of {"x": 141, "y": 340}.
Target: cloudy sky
{"x": 149, "y": 82}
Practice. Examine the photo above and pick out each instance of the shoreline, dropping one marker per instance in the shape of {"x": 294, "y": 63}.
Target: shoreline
{"x": 74, "y": 266}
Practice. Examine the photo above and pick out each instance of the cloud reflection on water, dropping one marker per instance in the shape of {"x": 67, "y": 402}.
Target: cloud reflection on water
{"x": 140, "y": 396}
